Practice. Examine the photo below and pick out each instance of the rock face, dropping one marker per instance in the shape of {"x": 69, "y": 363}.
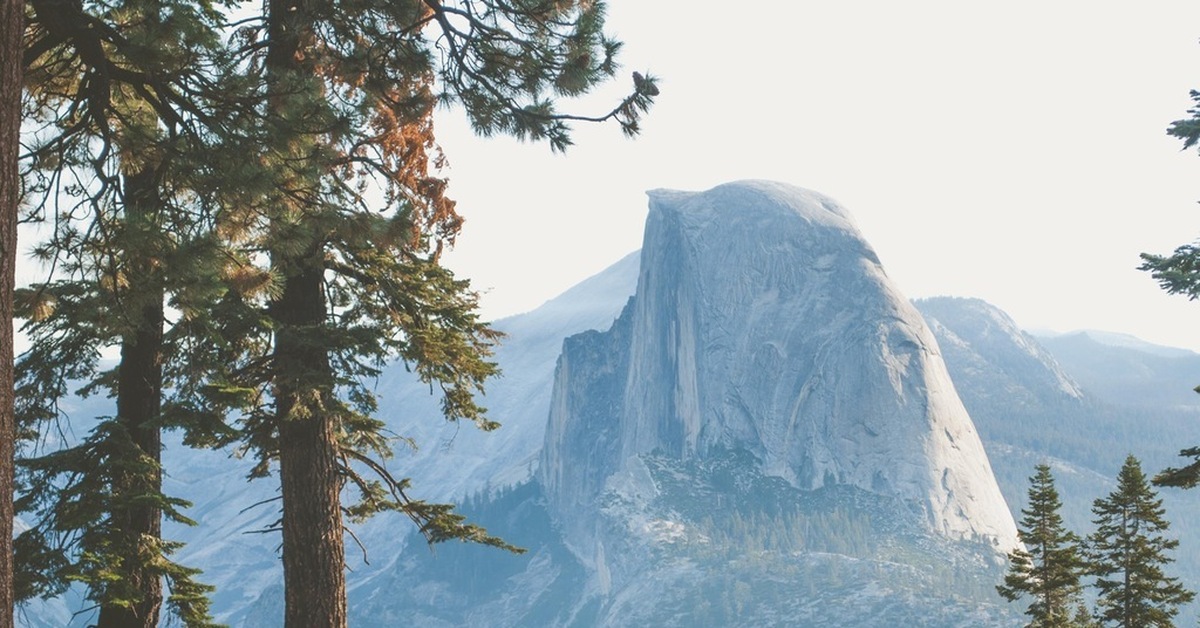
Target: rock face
{"x": 763, "y": 321}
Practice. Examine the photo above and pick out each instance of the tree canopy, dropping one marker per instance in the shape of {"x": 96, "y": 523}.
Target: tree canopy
{"x": 254, "y": 213}
{"x": 1129, "y": 550}
{"x": 1179, "y": 273}
{"x": 1048, "y": 569}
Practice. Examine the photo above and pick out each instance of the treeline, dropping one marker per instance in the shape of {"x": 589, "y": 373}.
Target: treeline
{"x": 246, "y": 205}
{"x": 1122, "y": 560}
{"x": 736, "y": 535}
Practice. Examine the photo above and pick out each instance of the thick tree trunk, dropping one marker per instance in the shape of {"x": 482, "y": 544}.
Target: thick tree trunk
{"x": 12, "y": 14}
{"x": 139, "y": 402}
{"x": 313, "y": 543}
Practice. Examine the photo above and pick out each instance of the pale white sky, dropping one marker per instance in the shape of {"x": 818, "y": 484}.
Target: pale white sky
{"x": 1009, "y": 151}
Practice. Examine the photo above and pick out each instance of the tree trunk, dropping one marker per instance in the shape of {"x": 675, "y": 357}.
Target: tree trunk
{"x": 314, "y": 560}
{"x": 12, "y": 13}
{"x": 139, "y": 401}
{"x": 313, "y": 544}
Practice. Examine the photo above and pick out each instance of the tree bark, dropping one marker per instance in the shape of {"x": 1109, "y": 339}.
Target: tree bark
{"x": 12, "y": 13}
{"x": 139, "y": 403}
{"x": 313, "y": 543}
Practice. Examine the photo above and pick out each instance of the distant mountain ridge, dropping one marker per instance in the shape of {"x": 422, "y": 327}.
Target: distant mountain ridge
{"x": 993, "y": 358}
{"x": 1132, "y": 397}
{"x": 1128, "y": 372}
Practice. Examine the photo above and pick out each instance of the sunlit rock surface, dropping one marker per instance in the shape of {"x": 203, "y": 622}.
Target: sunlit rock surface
{"x": 763, "y": 320}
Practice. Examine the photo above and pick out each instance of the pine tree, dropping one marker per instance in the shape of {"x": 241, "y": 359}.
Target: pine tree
{"x": 349, "y": 90}
{"x": 115, "y": 90}
{"x": 1128, "y": 554}
{"x": 11, "y": 70}
{"x": 1048, "y": 570}
{"x": 340, "y": 198}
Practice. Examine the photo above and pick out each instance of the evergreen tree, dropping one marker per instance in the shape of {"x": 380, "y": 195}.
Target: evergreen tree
{"x": 11, "y": 70}
{"x": 1048, "y": 570}
{"x": 349, "y": 90}
{"x": 1187, "y": 476}
{"x": 1128, "y": 553}
{"x": 115, "y": 91}
{"x": 1083, "y": 617}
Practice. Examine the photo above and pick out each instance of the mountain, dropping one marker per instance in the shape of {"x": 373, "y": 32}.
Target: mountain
{"x": 766, "y": 435}
{"x": 742, "y": 424}
{"x": 763, "y": 321}
{"x": 994, "y": 360}
{"x": 1126, "y": 371}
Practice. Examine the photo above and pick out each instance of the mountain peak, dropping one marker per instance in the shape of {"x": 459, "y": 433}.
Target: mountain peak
{"x": 753, "y": 199}
{"x": 763, "y": 321}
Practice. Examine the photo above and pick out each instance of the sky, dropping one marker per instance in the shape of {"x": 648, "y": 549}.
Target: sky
{"x": 1014, "y": 152}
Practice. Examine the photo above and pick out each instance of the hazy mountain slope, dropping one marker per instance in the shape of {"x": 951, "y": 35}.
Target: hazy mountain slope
{"x": 1013, "y": 387}
{"x": 992, "y": 359}
{"x": 1118, "y": 371}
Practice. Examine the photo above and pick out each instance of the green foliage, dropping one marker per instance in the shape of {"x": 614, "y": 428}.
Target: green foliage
{"x": 1188, "y": 129}
{"x": 1048, "y": 569}
{"x": 272, "y": 189}
{"x": 1128, "y": 552}
{"x": 505, "y": 62}
{"x": 349, "y": 216}
{"x": 1179, "y": 273}
{"x": 70, "y": 492}
{"x": 122, "y": 98}
{"x": 1182, "y": 477}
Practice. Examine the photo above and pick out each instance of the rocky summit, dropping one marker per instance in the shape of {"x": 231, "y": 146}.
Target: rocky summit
{"x": 764, "y": 322}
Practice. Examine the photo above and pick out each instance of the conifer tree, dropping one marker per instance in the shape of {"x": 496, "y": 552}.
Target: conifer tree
{"x": 1048, "y": 570}
{"x": 340, "y": 108}
{"x": 1128, "y": 553}
{"x": 11, "y": 71}
{"x": 115, "y": 90}
{"x": 1187, "y": 476}
{"x": 349, "y": 90}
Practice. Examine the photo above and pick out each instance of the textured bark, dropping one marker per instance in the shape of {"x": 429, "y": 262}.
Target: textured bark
{"x": 11, "y": 24}
{"x": 313, "y": 544}
{"x": 139, "y": 402}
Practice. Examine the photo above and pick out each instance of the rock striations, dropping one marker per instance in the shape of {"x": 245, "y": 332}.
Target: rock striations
{"x": 764, "y": 321}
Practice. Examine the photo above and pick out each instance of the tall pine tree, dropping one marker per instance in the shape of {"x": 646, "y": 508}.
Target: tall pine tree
{"x": 121, "y": 95}
{"x": 353, "y": 222}
{"x": 1128, "y": 553}
{"x": 341, "y": 200}
{"x": 1048, "y": 570}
